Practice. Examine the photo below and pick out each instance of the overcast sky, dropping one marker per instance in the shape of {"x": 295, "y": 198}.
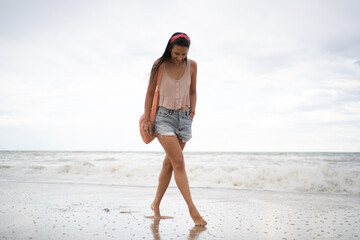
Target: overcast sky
{"x": 272, "y": 75}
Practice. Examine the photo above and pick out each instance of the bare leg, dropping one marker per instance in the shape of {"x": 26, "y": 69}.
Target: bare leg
{"x": 164, "y": 180}
{"x": 174, "y": 153}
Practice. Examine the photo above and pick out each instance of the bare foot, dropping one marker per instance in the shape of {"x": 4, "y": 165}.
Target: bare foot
{"x": 156, "y": 210}
{"x": 198, "y": 220}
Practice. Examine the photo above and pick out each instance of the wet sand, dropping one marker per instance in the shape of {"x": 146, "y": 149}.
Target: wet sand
{"x": 88, "y": 211}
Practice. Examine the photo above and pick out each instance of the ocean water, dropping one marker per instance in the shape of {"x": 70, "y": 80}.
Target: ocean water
{"x": 331, "y": 173}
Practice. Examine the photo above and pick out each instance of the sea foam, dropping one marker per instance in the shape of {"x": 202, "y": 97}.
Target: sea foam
{"x": 332, "y": 173}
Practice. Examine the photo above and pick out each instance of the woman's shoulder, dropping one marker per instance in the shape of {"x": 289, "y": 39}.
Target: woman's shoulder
{"x": 156, "y": 62}
{"x": 193, "y": 63}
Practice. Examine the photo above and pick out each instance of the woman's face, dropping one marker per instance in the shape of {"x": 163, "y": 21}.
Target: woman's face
{"x": 178, "y": 54}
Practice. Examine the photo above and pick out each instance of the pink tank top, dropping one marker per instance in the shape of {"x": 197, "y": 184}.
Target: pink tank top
{"x": 175, "y": 94}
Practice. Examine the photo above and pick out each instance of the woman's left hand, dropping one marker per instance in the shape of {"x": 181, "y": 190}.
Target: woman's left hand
{"x": 191, "y": 116}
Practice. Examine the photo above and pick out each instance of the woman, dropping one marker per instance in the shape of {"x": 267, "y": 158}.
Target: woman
{"x": 177, "y": 102}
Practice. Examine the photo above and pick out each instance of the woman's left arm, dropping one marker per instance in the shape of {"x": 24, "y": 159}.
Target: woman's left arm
{"x": 193, "y": 88}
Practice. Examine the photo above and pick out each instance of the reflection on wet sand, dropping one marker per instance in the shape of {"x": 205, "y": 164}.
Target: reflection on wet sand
{"x": 155, "y": 229}
{"x": 193, "y": 233}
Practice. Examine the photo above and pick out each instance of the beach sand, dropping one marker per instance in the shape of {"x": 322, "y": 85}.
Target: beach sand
{"x": 89, "y": 211}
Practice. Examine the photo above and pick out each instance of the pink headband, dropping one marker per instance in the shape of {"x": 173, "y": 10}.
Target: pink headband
{"x": 179, "y": 36}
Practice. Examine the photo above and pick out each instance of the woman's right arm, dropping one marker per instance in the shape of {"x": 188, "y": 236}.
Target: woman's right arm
{"x": 148, "y": 101}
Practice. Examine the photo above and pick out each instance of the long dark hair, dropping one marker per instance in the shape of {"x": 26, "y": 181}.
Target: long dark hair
{"x": 181, "y": 41}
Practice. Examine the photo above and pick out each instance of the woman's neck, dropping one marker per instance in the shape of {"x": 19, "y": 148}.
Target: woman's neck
{"x": 175, "y": 63}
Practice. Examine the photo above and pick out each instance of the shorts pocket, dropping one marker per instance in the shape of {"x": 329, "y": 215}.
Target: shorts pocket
{"x": 187, "y": 116}
{"x": 163, "y": 113}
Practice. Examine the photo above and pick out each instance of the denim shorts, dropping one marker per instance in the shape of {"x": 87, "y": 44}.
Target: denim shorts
{"x": 173, "y": 122}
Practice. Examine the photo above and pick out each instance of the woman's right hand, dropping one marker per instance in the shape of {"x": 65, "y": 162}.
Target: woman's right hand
{"x": 148, "y": 128}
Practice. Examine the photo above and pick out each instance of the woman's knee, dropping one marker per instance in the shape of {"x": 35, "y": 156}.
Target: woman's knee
{"x": 167, "y": 165}
{"x": 178, "y": 163}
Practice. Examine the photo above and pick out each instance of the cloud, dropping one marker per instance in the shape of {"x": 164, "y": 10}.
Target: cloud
{"x": 271, "y": 76}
